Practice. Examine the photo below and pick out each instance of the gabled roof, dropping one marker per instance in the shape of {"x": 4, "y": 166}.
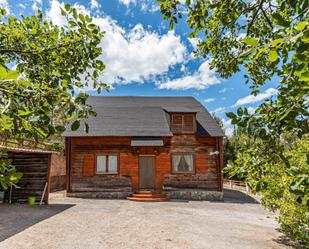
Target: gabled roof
{"x": 142, "y": 116}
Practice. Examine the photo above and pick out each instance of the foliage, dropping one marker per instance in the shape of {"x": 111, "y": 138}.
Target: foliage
{"x": 38, "y": 97}
{"x": 268, "y": 39}
{"x": 282, "y": 188}
{"x": 8, "y": 173}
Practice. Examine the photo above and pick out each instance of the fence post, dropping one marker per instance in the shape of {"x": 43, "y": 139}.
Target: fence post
{"x": 231, "y": 185}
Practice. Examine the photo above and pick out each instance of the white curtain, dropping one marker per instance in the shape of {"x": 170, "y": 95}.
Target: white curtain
{"x": 176, "y": 161}
{"x": 189, "y": 161}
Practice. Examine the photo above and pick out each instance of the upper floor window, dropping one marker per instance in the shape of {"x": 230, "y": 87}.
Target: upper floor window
{"x": 183, "y": 123}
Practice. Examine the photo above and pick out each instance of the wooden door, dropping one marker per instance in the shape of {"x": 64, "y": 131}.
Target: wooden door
{"x": 147, "y": 172}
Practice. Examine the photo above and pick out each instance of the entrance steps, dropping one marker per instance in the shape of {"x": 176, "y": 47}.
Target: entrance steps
{"x": 148, "y": 196}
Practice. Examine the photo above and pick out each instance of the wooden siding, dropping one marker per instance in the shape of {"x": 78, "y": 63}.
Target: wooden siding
{"x": 57, "y": 172}
{"x": 35, "y": 174}
{"x": 82, "y": 167}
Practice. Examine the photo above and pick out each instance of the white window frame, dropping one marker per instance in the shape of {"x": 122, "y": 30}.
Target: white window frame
{"x": 107, "y": 155}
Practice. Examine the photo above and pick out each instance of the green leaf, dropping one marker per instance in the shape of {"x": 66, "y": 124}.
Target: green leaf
{"x": 171, "y": 25}
{"x": 277, "y": 41}
{"x": 304, "y": 76}
{"x": 301, "y": 25}
{"x": 67, "y": 7}
{"x": 250, "y": 41}
{"x": 12, "y": 75}
{"x": 60, "y": 128}
{"x": 278, "y": 19}
{"x": 3, "y": 72}
{"x": 231, "y": 115}
{"x": 273, "y": 56}
{"x": 75, "y": 125}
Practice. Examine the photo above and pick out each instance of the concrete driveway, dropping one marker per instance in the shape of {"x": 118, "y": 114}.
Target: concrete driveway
{"x": 85, "y": 223}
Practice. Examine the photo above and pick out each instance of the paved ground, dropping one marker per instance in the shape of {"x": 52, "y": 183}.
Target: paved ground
{"x": 82, "y": 223}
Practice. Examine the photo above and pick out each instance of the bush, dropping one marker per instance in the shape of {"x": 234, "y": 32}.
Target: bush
{"x": 282, "y": 180}
{"x": 8, "y": 173}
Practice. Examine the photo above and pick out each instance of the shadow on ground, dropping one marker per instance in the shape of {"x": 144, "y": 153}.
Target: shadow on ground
{"x": 235, "y": 196}
{"x": 17, "y": 217}
{"x": 285, "y": 240}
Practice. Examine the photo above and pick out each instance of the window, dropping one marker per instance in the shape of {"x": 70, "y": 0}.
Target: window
{"x": 183, "y": 163}
{"x": 183, "y": 123}
{"x": 107, "y": 164}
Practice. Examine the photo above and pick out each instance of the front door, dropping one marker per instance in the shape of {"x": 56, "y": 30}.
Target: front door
{"x": 147, "y": 172}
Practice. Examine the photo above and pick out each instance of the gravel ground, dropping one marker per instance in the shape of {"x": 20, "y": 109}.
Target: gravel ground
{"x": 125, "y": 224}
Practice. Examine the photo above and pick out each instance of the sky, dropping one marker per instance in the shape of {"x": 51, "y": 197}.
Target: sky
{"x": 144, "y": 58}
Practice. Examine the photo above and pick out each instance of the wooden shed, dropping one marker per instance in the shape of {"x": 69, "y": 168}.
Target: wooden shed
{"x": 41, "y": 169}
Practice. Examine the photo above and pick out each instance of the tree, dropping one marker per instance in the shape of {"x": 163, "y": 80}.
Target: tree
{"x": 38, "y": 97}
{"x": 268, "y": 39}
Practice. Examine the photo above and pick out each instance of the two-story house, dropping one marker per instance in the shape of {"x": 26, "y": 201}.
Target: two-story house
{"x": 165, "y": 145}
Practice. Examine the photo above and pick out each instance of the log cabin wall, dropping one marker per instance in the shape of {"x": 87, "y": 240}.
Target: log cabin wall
{"x": 57, "y": 172}
{"x": 34, "y": 167}
{"x": 82, "y": 177}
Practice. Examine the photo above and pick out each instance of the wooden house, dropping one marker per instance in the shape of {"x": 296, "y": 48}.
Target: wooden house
{"x": 166, "y": 145}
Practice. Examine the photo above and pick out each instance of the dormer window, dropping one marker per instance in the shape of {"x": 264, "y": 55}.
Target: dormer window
{"x": 183, "y": 123}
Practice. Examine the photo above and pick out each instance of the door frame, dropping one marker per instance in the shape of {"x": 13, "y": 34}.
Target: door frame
{"x": 155, "y": 164}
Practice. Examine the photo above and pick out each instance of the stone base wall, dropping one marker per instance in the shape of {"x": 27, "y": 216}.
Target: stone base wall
{"x": 100, "y": 195}
{"x": 194, "y": 194}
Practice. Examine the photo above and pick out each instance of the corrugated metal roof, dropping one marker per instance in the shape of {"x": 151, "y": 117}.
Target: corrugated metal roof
{"x": 26, "y": 150}
{"x": 142, "y": 116}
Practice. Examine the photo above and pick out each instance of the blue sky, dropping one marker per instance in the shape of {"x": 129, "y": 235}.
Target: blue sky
{"x": 144, "y": 58}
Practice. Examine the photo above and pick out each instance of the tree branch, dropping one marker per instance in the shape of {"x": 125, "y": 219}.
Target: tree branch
{"x": 254, "y": 16}
{"x": 267, "y": 19}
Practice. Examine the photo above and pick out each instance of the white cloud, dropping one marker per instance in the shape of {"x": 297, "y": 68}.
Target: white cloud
{"x": 219, "y": 110}
{"x": 144, "y": 5}
{"x": 127, "y": 2}
{"x": 5, "y": 5}
{"x": 201, "y": 79}
{"x": 253, "y": 99}
{"x": 22, "y": 6}
{"x": 133, "y": 55}
{"x": 225, "y": 89}
{"x": 194, "y": 42}
{"x": 228, "y": 127}
{"x": 94, "y": 4}
{"x": 251, "y": 109}
{"x": 209, "y": 100}
{"x": 137, "y": 55}
{"x": 54, "y": 14}
{"x": 36, "y": 4}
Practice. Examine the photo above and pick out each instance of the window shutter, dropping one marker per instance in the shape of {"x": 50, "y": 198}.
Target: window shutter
{"x": 88, "y": 165}
{"x": 188, "y": 124}
{"x": 177, "y": 123}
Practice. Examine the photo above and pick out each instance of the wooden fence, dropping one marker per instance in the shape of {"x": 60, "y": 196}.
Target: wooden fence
{"x": 233, "y": 184}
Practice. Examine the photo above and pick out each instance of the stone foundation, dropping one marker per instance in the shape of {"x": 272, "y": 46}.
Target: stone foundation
{"x": 194, "y": 194}
{"x": 100, "y": 195}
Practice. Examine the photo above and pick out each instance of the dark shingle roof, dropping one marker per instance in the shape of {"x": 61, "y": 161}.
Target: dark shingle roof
{"x": 142, "y": 116}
